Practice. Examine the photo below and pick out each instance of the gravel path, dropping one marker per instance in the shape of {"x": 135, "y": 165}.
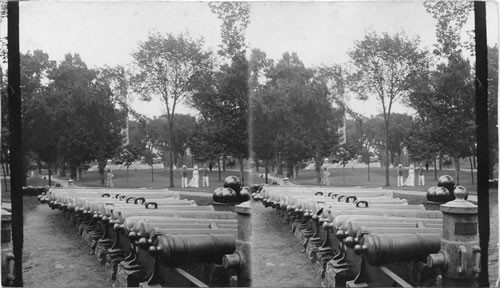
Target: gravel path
{"x": 54, "y": 255}
{"x": 276, "y": 257}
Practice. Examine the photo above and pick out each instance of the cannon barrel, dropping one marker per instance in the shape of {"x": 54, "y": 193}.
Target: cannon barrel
{"x": 134, "y": 223}
{"x": 397, "y": 212}
{"x": 147, "y": 230}
{"x": 381, "y": 249}
{"x": 354, "y": 227}
{"x": 174, "y": 213}
{"x": 176, "y": 250}
{"x": 122, "y": 213}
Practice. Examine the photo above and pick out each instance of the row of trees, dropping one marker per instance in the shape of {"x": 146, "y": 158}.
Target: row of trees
{"x": 290, "y": 111}
{"x": 390, "y": 68}
{"x": 74, "y": 115}
{"x": 70, "y": 114}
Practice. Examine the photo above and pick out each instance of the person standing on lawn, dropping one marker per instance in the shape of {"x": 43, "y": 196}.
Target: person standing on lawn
{"x": 205, "y": 177}
{"x": 109, "y": 179}
{"x": 410, "y": 181}
{"x": 325, "y": 181}
{"x": 184, "y": 177}
{"x": 195, "y": 181}
{"x": 400, "y": 175}
{"x": 421, "y": 177}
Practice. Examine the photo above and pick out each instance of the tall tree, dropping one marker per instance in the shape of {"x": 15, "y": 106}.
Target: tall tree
{"x": 451, "y": 17}
{"x": 81, "y": 113}
{"x": 34, "y": 69}
{"x": 170, "y": 67}
{"x": 229, "y": 94}
{"x": 386, "y": 67}
{"x": 299, "y": 108}
{"x": 446, "y": 109}
{"x": 235, "y": 17}
{"x": 261, "y": 133}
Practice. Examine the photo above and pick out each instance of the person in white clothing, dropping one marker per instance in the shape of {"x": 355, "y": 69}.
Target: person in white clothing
{"x": 410, "y": 181}
{"x": 195, "y": 181}
{"x": 109, "y": 179}
{"x": 325, "y": 181}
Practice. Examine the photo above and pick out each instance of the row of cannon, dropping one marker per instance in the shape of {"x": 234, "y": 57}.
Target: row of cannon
{"x": 155, "y": 238}
{"x": 359, "y": 237}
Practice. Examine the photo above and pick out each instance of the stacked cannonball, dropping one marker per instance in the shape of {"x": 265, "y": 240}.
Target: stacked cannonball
{"x": 232, "y": 192}
{"x": 445, "y": 190}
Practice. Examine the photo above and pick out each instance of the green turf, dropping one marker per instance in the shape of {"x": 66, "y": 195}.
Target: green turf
{"x": 359, "y": 177}
{"x": 142, "y": 179}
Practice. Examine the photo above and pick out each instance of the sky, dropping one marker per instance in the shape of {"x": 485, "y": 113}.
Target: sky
{"x": 321, "y": 33}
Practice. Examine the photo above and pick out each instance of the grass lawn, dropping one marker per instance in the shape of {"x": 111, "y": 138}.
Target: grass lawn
{"x": 160, "y": 179}
{"x": 31, "y": 181}
{"x": 359, "y": 177}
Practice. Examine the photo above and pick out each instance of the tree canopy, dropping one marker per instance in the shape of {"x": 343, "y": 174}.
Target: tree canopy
{"x": 172, "y": 67}
{"x": 387, "y": 67}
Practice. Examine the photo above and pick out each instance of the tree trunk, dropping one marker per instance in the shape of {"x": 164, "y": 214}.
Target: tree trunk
{"x": 171, "y": 168}
{"x": 457, "y": 170}
{"x": 242, "y": 170}
{"x": 62, "y": 169}
{"x": 266, "y": 163}
{"x": 152, "y": 174}
{"x": 50, "y": 175}
{"x": 387, "y": 183}
{"x": 218, "y": 166}
{"x": 289, "y": 170}
{"x": 224, "y": 162}
{"x": 435, "y": 169}
{"x": 440, "y": 161}
{"x": 72, "y": 172}
{"x": 296, "y": 171}
{"x": 5, "y": 177}
{"x": 471, "y": 170}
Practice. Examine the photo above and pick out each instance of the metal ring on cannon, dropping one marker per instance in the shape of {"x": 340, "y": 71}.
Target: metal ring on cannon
{"x": 140, "y": 198}
{"x": 351, "y": 197}
{"x": 362, "y": 201}
{"x": 152, "y": 203}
